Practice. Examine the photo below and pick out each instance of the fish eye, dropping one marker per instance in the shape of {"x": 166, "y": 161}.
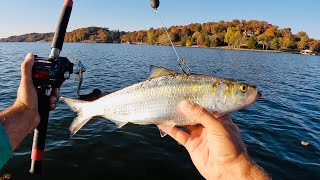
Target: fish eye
{"x": 243, "y": 88}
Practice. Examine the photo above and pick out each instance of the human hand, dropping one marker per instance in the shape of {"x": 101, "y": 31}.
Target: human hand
{"x": 27, "y": 93}
{"x": 215, "y": 145}
{"x": 22, "y": 117}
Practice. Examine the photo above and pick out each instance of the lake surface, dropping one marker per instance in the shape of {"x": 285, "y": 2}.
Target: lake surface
{"x": 272, "y": 128}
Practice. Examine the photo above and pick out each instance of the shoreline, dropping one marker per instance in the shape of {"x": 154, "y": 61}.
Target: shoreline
{"x": 194, "y": 46}
{"x": 226, "y": 48}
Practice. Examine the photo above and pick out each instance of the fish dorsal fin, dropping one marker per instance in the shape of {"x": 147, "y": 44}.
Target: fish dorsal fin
{"x": 156, "y": 71}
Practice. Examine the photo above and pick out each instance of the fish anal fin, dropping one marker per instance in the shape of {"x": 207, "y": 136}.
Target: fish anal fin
{"x": 163, "y": 128}
{"x": 156, "y": 71}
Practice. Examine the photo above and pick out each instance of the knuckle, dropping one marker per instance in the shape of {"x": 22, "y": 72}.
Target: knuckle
{"x": 200, "y": 111}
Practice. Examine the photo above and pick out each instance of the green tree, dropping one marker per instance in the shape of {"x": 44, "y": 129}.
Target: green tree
{"x": 287, "y": 42}
{"x": 214, "y": 42}
{"x": 206, "y": 41}
{"x": 252, "y": 43}
{"x": 237, "y": 39}
{"x": 274, "y": 44}
{"x": 229, "y": 38}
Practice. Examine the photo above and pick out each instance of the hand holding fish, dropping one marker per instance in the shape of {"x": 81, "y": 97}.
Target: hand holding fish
{"x": 215, "y": 145}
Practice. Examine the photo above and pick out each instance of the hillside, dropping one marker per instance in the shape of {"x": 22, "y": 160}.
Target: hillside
{"x": 252, "y": 34}
{"x": 32, "y": 37}
{"x": 89, "y": 34}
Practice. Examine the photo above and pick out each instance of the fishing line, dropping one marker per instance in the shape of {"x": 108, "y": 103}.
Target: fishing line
{"x": 183, "y": 65}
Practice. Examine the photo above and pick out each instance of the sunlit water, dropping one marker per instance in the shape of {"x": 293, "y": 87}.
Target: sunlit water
{"x": 272, "y": 128}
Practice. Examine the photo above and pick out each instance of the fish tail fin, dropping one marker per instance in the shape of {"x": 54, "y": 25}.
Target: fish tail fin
{"x": 83, "y": 109}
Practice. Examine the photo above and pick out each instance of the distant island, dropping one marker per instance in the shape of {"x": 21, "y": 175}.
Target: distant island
{"x": 235, "y": 34}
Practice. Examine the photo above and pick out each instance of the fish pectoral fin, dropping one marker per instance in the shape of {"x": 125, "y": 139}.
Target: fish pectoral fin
{"x": 163, "y": 128}
{"x": 156, "y": 71}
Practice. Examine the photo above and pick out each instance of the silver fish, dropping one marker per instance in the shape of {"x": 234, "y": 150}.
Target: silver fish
{"x": 154, "y": 100}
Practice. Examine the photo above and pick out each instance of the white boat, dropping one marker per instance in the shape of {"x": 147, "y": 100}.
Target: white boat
{"x": 307, "y": 52}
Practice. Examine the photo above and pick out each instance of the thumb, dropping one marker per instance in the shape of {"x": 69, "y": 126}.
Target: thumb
{"x": 26, "y": 69}
{"x": 199, "y": 114}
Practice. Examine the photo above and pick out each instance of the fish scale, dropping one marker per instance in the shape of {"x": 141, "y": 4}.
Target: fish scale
{"x": 145, "y": 103}
{"x": 154, "y": 100}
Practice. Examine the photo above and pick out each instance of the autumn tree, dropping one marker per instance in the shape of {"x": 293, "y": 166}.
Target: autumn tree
{"x": 195, "y": 36}
{"x": 302, "y": 39}
{"x": 163, "y": 39}
{"x": 315, "y": 45}
{"x": 141, "y": 36}
{"x": 151, "y": 37}
{"x": 237, "y": 39}
{"x": 303, "y": 43}
{"x": 189, "y": 41}
{"x": 234, "y": 33}
{"x": 229, "y": 37}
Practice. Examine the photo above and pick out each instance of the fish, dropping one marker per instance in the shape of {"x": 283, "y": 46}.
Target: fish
{"x": 154, "y": 100}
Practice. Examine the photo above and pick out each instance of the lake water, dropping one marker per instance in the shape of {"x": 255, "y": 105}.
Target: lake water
{"x": 272, "y": 128}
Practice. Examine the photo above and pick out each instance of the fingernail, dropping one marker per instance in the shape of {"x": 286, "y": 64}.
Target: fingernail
{"x": 30, "y": 56}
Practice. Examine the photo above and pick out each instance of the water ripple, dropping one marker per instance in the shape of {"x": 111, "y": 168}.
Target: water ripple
{"x": 272, "y": 128}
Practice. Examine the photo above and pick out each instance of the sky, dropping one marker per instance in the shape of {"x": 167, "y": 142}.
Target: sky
{"x": 26, "y": 16}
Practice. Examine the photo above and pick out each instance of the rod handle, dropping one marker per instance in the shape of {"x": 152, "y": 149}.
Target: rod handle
{"x": 40, "y": 133}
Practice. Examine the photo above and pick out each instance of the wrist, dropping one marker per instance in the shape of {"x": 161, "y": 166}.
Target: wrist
{"x": 19, "y": 121}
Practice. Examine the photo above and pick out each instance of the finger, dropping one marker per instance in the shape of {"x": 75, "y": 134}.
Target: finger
{"x": 55, "y": 92}
{"x": 176, "y": 133}
{"x": 53, "y": 99}
{"x": 198, "y": 114}
{"x": 191, "y": 128}
{"x": 26, "y": 68}
{"x": 52, "y": 106}
{"x": 216, "y": 114}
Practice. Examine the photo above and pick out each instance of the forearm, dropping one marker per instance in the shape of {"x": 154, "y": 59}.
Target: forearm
{"x": 244, "y": 169}
{"x": 258, "y": 172}
{"x": 16, "y": 122}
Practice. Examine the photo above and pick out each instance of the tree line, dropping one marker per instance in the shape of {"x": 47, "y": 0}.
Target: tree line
{"x": 32, "y": 37}
{"x": 94, "y": 34}
{"x": 88, "y": 34}
{"x": 252, "y": 34}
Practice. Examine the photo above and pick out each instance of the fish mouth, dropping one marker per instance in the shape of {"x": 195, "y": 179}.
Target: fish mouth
{"x": 258, "y": 95}
{"x": 252, "y": 98}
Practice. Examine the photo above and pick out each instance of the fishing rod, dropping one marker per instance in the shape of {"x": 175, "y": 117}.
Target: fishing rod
{"x": 49, "y": 73}
{"x": 183, "y": 65}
